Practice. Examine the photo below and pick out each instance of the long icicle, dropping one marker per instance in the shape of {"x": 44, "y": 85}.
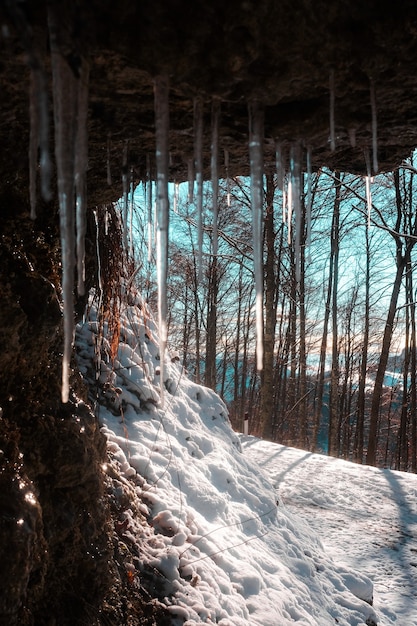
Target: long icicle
{"x": 226, "y": 167}
{"x": 309, "y": 200}
{"x": 295, "y": 167}
{"x": 81, "y": 162}
{"x": 161, "y": 97}
{"x": 332, "y": 101}
{"x": 39, "y": 135}
{"x": 215, "y": 122}
{"x": 279, "y": 165}
{"x": 33, "y": 144}
{"x": 374, "y": 128}
{"x": 65, "y": 97}
{"x": 256, "y": 139}
{"x": 191, "y": 177}
{"x": 149, "y": 206}
{"x": 289, "y": 210}
{"x": 125, "y": 184}
{"x": 368, "y": 180}
{"x": 198, "y": 155}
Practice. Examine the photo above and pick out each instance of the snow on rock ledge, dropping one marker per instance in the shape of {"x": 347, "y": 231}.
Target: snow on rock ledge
{"x": 219, "y": 548}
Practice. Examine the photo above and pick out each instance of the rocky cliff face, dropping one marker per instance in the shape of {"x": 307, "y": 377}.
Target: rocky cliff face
{"x": 336, "y": 78}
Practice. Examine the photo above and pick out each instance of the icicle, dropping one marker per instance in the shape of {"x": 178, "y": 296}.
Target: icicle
{"x": 309, "y": 198}
{"x": 352, "y": 137}
{"x": 33, "y": 144}
{"x": 279, "y": 166}
{"x": 198, "y": 154}
{"x": 109, "y": 181}
{"x": 65, "y": 96}
{"x": 284, "y": 204}
{"x": 45, "y": 157}
{"x": 295, "y": 166}
{"x": 256, "y": 139}
{"x": 81, "y": 161}
{"x": 149, "y": 206}
{"x": 226, "y": 167}
{"x": 125, "y": 193}
{"x": 374, "y": 129}
{"x": 332, "y": 127}
{"x": 99, "y": 279}
{"x": 368, "y": 181}
{"x": 215, "y": 121}
{"x": 289, "y": 211}
{"x": 161, "y": 96}
{"x": 39, "y": 134}
{"x": 368, "y": 198}
{"x": 191, "y": 177}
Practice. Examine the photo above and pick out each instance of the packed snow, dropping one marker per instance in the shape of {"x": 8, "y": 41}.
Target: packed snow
{"x": 243, "y": 532}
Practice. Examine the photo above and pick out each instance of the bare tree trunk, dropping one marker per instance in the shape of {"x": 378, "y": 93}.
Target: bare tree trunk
{"x": 334, "y": 382}
{"x": 267, "y": 386}
{"x": 211, "y": 336}
{"x": 360, "y": 411}
{"x": 302, "y": 401}
{"x": 388, "y": 331}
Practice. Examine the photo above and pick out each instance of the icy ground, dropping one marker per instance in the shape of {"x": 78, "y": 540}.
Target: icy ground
{"x": 252, "y": 535}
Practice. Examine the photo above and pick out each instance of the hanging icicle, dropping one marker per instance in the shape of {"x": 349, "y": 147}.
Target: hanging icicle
{"x": 226, "y": 167}
{"x": 161, "y": 99}
{"x": 191, "y": 177}
{"x": 65, "y": 97}
{"x": 39, "y": 134}
{"x": 368, "y": 198}
{"x": 309, "y": 200}
{"x": 125, "y": 185}
{"x": 368, "y": 181}
{"x": 149, "y": 205}
{"x": 81, "y": 162}
{"x": 38, "y": 104}
{"x": 284, "y": 204}
{"x": 352, "y": 137}
{"x": 332, "y": 103}
{"x": 33, "y": 144}
{"x": 280, "y": 170}
{"x": 295, "y": 170}
{"x": 198, "y": 155}
{"x": 176, "y": 195}
{"x": 256, "y": 139}
{"x": 289, "y": 211}
{"x": 215, "y": 122}
{"x": 279, "y": 165}
{"x": 374, "y": 128}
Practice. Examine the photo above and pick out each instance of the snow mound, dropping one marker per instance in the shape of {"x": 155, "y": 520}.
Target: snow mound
{"x": 221, "y": 547}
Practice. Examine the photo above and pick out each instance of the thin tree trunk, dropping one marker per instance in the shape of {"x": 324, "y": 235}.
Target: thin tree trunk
{"x": 360, "y": 411}
{"x": 386, "y": 341}
{"x": 267, "y": 386}
{"x": 334, "y": 383}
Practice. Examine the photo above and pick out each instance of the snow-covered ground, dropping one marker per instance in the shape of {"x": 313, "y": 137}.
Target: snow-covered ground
{"x": 253, "y": 534}
{"x": 365, "y": 517}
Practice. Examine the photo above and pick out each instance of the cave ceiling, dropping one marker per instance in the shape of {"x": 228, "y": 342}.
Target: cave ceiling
{"x": 292, "y": 57}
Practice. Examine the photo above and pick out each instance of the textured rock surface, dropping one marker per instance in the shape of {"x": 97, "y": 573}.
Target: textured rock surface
{"x": 280, "y": 53}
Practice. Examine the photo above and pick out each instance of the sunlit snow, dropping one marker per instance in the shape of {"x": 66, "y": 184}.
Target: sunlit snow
{"x": 244, "y": 532}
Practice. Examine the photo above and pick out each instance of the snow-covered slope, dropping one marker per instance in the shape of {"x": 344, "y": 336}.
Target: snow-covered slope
{"x": 367, "y": 518}
{"x": 225, "y": 550}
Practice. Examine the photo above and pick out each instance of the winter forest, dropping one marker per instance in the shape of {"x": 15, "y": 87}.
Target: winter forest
{"x": 339, "y": 342}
